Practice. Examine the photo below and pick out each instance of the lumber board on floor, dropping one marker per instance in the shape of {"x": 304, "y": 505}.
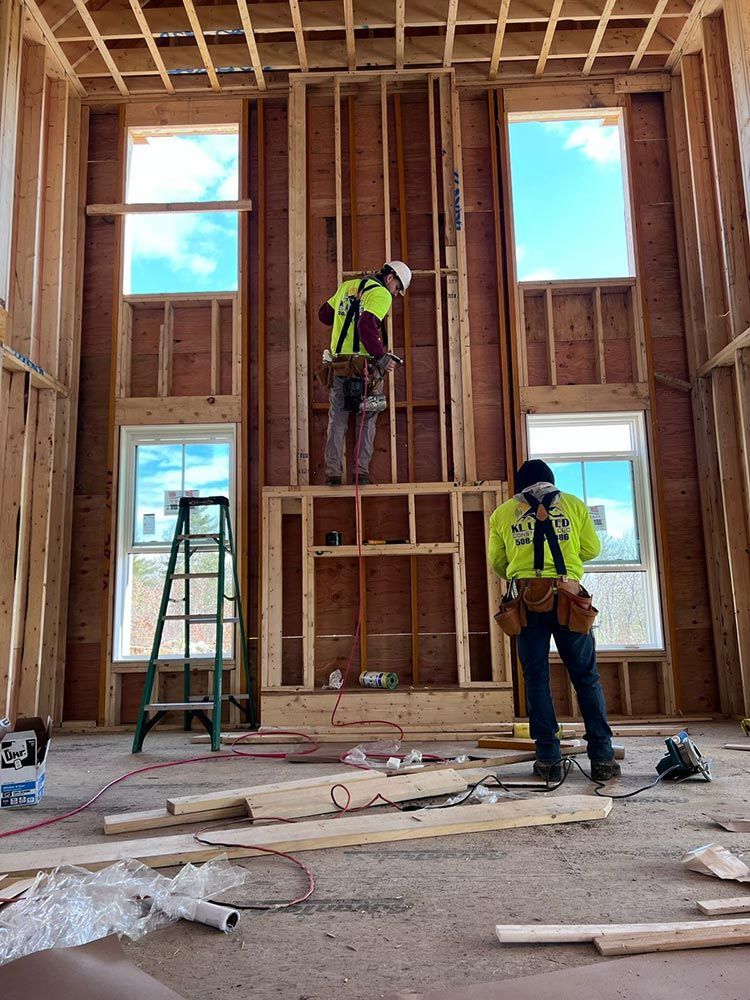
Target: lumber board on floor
{"x": 674, "y": 940}
{"x": 515, "y": 743}
{"x": 717, "y": 907}
{"x": 223, "y": 797}
{"x": 359, "y": 736}
{"x": 571, "y": 933}
{"x": 297, "y": 802}
{"x": 737, "y": 746}
{"x": 246, "y": 840}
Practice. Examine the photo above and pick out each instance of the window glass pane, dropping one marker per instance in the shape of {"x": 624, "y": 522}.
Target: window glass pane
{"x": 183, "y": 166}
{"x": 180, "y": 252}
{"x": 581, "y": 232}
{"x": 579, "y": 438}
{"x": 622, "y": 602}
{"x": 158, "y": 468}
{"x": 568, "y": 477}
{"x": 610, "y": 495}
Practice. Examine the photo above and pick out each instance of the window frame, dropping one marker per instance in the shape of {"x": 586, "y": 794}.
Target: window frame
{"x": 612, "y": 116}
{"x": 642, "y": 500}
{"x": 130, "y": 438}
{"x": 131, "y": 207}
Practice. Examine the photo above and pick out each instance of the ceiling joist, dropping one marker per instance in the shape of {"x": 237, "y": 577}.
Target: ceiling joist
{"x": 299, "y": 35}
{"x": 549, "y": 37}
{"x": 200, "y": 41}
{"x": 153, "y": 48}
{"x": 648, "y": 34}
{"x": 252, "y": 45}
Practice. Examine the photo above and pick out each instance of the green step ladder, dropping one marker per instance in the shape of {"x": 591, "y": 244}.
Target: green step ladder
{"x": 198, "y": 707}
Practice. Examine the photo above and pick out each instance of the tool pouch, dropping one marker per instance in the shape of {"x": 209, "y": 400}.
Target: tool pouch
{"x": 576, "y": 611}
{"x": 539, "y": 596}
{"x": 351, "y": 366}
{"x": 511, "y": 616}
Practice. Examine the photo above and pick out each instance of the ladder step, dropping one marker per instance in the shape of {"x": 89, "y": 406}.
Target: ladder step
{"x": 187, "y": 538}
{"x": 195, "y": 576}
{"x": 187, "y": 706}
{"x": 202, "y": 662}
{"x": 197, "y": 618}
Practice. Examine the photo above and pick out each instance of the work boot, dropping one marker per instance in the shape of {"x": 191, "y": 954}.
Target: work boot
{"x": 364, "y": 479}
{"x": 552, "y": 772}
{"x": 333, "y": 480}
{"x": 605, "y": 770}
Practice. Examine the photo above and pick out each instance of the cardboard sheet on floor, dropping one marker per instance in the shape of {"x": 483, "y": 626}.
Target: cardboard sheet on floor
{"x": 736, "y": 824}
{"x": 720, "y": 975}
{"x": 89, "y": 972}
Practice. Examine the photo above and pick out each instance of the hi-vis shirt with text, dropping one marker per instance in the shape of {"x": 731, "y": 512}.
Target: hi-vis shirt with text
{"x": 511, "y": 545}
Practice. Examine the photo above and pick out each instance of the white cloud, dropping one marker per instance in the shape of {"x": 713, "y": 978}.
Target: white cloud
{"x": 178, "y": 239}
{"x": 520, "y": 253}
{"x": 599, "y": 143}
{"x": 182, "y": 168}
{"x": 539, "y": 274}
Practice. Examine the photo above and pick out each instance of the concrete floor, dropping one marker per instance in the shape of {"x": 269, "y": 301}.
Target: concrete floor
{"x": 401, "y": 917}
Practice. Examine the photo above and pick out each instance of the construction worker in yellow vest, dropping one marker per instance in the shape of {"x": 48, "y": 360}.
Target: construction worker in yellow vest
{"x": 358, "y": 359}
{"x": 539, "y": 541}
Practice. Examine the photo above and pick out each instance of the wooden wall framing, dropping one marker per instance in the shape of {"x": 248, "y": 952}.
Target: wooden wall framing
{"x": 43, "y": 136}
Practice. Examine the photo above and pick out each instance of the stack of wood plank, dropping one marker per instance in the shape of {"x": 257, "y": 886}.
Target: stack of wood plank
{"x": 333, "y": 796}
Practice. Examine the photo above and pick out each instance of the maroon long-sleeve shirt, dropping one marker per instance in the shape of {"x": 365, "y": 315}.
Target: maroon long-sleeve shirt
{"x": 368, "y": 328}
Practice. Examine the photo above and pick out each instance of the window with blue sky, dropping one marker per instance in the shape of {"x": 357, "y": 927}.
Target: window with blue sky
{"x": 168, "y": 253}
{"x": 569, "y": 205}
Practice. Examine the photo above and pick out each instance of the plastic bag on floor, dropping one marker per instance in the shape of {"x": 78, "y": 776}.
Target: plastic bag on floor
{"x": 72, "y": 906}
{"x": 372, "y": 754}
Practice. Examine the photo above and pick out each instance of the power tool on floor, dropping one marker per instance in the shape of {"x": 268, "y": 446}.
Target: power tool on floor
{"x": 683, "y": 759}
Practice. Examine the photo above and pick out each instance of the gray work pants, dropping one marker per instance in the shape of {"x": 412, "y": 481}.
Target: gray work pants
{"x": 338, "y": 422}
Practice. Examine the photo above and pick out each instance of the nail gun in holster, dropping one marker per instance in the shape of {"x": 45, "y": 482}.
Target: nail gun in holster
{"x": 683, "y": 759}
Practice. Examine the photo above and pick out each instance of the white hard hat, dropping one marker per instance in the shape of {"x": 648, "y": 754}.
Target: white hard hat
{"x": 402, "y": 272}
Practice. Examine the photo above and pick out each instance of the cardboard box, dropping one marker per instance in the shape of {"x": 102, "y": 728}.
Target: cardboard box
{"x": 23, "y": 761}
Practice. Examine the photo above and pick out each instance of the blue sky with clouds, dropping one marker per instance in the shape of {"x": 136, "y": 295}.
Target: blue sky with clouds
{"x": 568, "y": 200}
{"x": 185, "y": 251}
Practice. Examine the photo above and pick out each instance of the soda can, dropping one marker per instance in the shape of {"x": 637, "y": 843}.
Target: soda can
{"x": 378, "y": 679}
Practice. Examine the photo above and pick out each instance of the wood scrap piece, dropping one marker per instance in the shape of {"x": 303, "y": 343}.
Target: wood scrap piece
{"x": 224, "y": 797}
{"x": 17, "y": 888}
{"x": 571, "y": 933}
{"x": 733, "y": 824}
{"x": 737, "y": 746}
{"x": 715, "y": 907}
{"x": 156, "y": 819}
{"x": 713, "y": 859}
{"x": 674, "y": 940}
{"x": 517, "y": 743}
{"x": 346, "y": 831}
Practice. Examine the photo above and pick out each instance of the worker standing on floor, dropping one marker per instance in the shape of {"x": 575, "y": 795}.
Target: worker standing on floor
{"x": 539, "y": 541}
{"x": 358, "y": 360}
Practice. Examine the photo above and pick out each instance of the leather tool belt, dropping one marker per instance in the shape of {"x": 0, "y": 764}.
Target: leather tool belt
{"x": 540, "y": 595}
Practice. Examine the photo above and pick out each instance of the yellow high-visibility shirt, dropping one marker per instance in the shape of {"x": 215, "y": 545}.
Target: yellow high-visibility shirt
{"x": 376, "y": 299}
{"x": 511, "y": 546}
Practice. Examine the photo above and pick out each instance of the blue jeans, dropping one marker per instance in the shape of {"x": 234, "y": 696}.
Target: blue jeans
{"x": 578, "y": 653}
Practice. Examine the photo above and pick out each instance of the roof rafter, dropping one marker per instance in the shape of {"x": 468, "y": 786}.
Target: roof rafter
{"x": 299, "y": 35}
{"x": 200, "y": 41}
{"x": 151, "y": 43}
{"x": 102, "y": 47}
{"x": 351, "y": 55}
{"x": 252, "y": 45}
{"x": 609, "y": 6}
{"x": 450, "y": 32}
{"x": 549, "y": 35}
{"x": 400, "y": 32}
{"x": 692, "y": 22}
{"x": 497, "y": 48}
{"x": 648, "y": 34}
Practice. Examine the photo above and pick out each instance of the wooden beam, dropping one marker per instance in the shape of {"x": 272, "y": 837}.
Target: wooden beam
{"x": 715, "y": 907}
{"x": 727, "y": 170}
{"x": 252, "y": 45}
{"x": 725, "y": 358}
{"x": 13, "y": 360}
{"x": 692, "y": 22}
{"x": 582, "y": 399}
{"x": 387, "y": 256}
{"x": 400, "y": 33}
{"x": 351, "y": 55}
{"x": 102, "y": 46}
{"x": 497, "y": 47}
{"x": 200, "y": 41}
{"x": 160, "y": 852}
{"x": 153, "y": 48}
{"x": 49, "y": 36}
{"x": 450, "y": 32}
{"x": 298, "y": 370}
{"x": 737, "y": 21}
{"x": 573, "y": 933}
{"x": 643, "y": 83}
{"x": 648, "y": 34}
{"x": 644, "y": 942}
{"x": 438, "y": 293}
{"x": 164, "y": 207}
{"x": 11, "y": 44}
{"x": 549, "y": 36}
{"x": 299, "y": 35}
{"x": 596, "y": 41}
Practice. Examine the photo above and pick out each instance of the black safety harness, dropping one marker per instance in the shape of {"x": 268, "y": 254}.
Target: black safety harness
{"x": 352, "y": 317}
{"x": 544, "y": 531}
